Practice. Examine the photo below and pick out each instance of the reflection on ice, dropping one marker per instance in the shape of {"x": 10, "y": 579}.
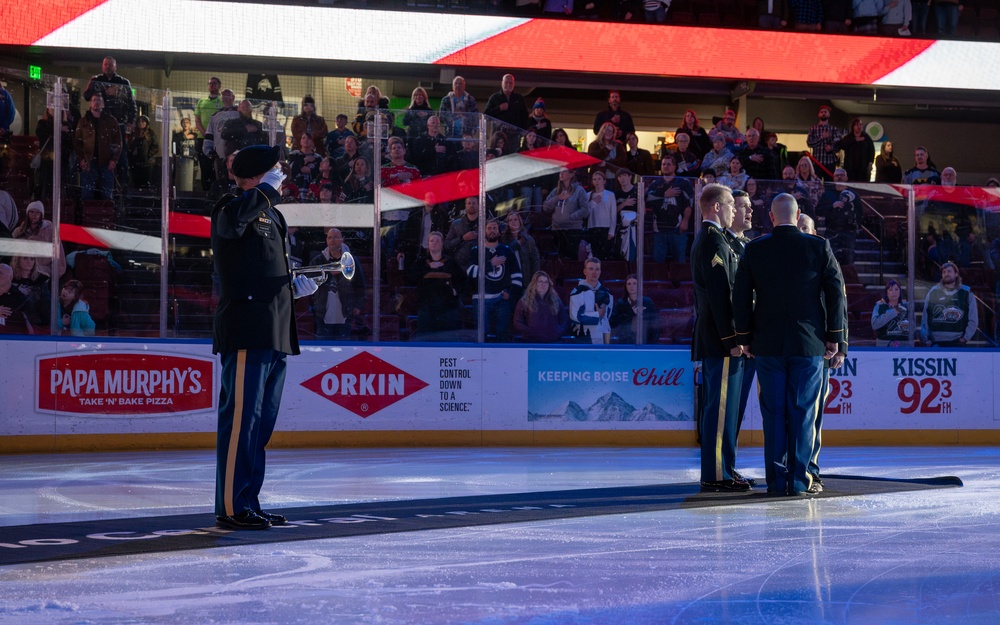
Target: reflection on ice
{"x": 926, "y": 557}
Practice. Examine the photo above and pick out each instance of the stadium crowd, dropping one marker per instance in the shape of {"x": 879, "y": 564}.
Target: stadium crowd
{"x": 548, "y": 237}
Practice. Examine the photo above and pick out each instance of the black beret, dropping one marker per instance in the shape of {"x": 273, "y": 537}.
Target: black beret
{"x": 253, "y": 161}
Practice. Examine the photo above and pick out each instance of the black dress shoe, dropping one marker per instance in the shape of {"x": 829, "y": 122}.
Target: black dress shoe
{"x": 724, "y": 486}
{"x": 246, "y": 520}
{"x": 815, "y": 488}
{"x": 742, "y": 478}
{"x": 275, "y": 519}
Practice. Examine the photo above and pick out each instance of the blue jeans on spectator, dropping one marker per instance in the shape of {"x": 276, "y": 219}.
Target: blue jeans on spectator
{"x": 498, "y": 319}
{"x": 671, "y": 242}
{"x": 947, "y": 19}
{"x": 532, "y": 195}
{"x": 656, "y": 16}
{"x": 920, "y": 12}
{"x": 97, "y": 182}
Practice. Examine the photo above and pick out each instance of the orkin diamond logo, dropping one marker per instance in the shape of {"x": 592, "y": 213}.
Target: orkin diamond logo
{"x": 364, "y": 384}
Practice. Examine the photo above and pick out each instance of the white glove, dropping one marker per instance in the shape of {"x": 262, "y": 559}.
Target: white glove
{"x": 273, "y": 178}
{"x": 303, "y": 286}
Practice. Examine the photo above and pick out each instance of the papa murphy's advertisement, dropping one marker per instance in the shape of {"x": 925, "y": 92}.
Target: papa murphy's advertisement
{"x": 610, "y": 389}
{"x": 119, "y": 383}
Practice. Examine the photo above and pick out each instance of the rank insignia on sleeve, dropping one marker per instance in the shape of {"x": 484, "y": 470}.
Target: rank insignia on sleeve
{"x": 716, "y": 260}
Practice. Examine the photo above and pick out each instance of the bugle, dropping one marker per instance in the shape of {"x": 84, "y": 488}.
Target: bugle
{"x": 319, "y": 273}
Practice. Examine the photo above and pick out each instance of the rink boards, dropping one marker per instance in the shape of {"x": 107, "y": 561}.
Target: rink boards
{"x": 127, "y": 395}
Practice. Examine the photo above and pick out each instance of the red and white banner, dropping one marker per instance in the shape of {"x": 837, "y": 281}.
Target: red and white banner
{"x": 502, "y": 42}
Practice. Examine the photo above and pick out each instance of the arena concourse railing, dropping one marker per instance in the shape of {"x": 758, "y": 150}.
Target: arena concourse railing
{"x": 510, "y": 210}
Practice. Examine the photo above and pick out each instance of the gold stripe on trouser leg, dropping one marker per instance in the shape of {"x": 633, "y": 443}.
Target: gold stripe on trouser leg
{"x": 234, "y": 436}
{"x": 721, "y": 425}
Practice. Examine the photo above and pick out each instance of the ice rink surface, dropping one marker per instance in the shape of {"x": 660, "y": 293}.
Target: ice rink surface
{"x": 925, "y": 557}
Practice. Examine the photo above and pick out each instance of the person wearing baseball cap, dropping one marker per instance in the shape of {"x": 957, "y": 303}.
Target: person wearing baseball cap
{"x": 254, "y": 331}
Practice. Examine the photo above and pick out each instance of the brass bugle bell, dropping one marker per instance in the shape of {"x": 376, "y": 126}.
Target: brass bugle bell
{"x": 319, "y": 273}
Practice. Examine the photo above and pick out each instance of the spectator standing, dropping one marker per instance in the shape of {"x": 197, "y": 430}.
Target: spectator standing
{"x": 896, "y": 21}
{"x": 627, "y": 312}
{"x": 416, "y": 115}
{"x": 626, "y": 199}
{"x": 807, "y": 14}
{"x": 823, "y": 139}
{"x": 688, "y": 163}
{"x": 116, "y": 91}
{"x": 432, "y": 153}
{"x": 890, "y": 318}
{"x": 540, "y": 316}
{"x": 420, "y": 223}
{"x": 308, "y": 122}
{"x": 7, "y": 113}
{"x": 8, "y": 215}
{"x": 946, "y": 14}
{"x": 735, "y": 178}
{"x": 539, "y": 121}
{"x": 757, "y": 160}
{"x": 463, "y": 233}
{"x": 440, "y": 281}
{"x": 14, "y": 305}
{"x": 923, "y": 170}
{"x": 338, "y": 302}
{"x": 590, "y": 305}
{"x": 773, "y": 14}
{"x": 215, "y": 147}
{"x": 921, "y": 9}
{"x": 503, "y": 282}
{"x": 951, "y": 313}
{"x": 517, "y": 239}
{"x": 655, "y": 10}
{"x": 859, "y": 153}
{"x": 727, "y": 129}
{"x": 669, "y": 198}
{"x": 335, "y": 138}
{"x": 458, "y": 110}
{"x": 305, "y": 162}
{"x": 74, "y": 311}
{"x": 203, "y": 111}
{"x": 398, "y": 170}
{"x": 887, "y": 167}
{"x": 507, "y": 105}
{"x": 359, "y": 186}
{"x": 608, "y": 149}
{"x": 843, "y": 211}
{"x": 866, "y": 15}
{"x": 808, "y": 186}
{"x": 700, "y": 143}
{"x": 36, "y": 227}
{"x": 98, "y": 144}
{"x": 569, "y": 207}
{"x": 638, "y": 160}
{"x": 243, "y": 131}
{"x": 143, "y": 150}
{"x": 36, "y": 287}
{"x": 778, "y": 150}
{"x": 602, "y": 220}
{"x": 614, "y": 114}
{"x": 717, "y": 159}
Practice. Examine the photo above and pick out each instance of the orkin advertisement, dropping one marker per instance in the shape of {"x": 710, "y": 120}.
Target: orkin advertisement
{"x": 124, "y": 383}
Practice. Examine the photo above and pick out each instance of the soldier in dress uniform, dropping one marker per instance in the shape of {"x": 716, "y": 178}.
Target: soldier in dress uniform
{"x": 713, "y": 268}
{"x": 254, "y": 331}
{"x": 788, "y": 302}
